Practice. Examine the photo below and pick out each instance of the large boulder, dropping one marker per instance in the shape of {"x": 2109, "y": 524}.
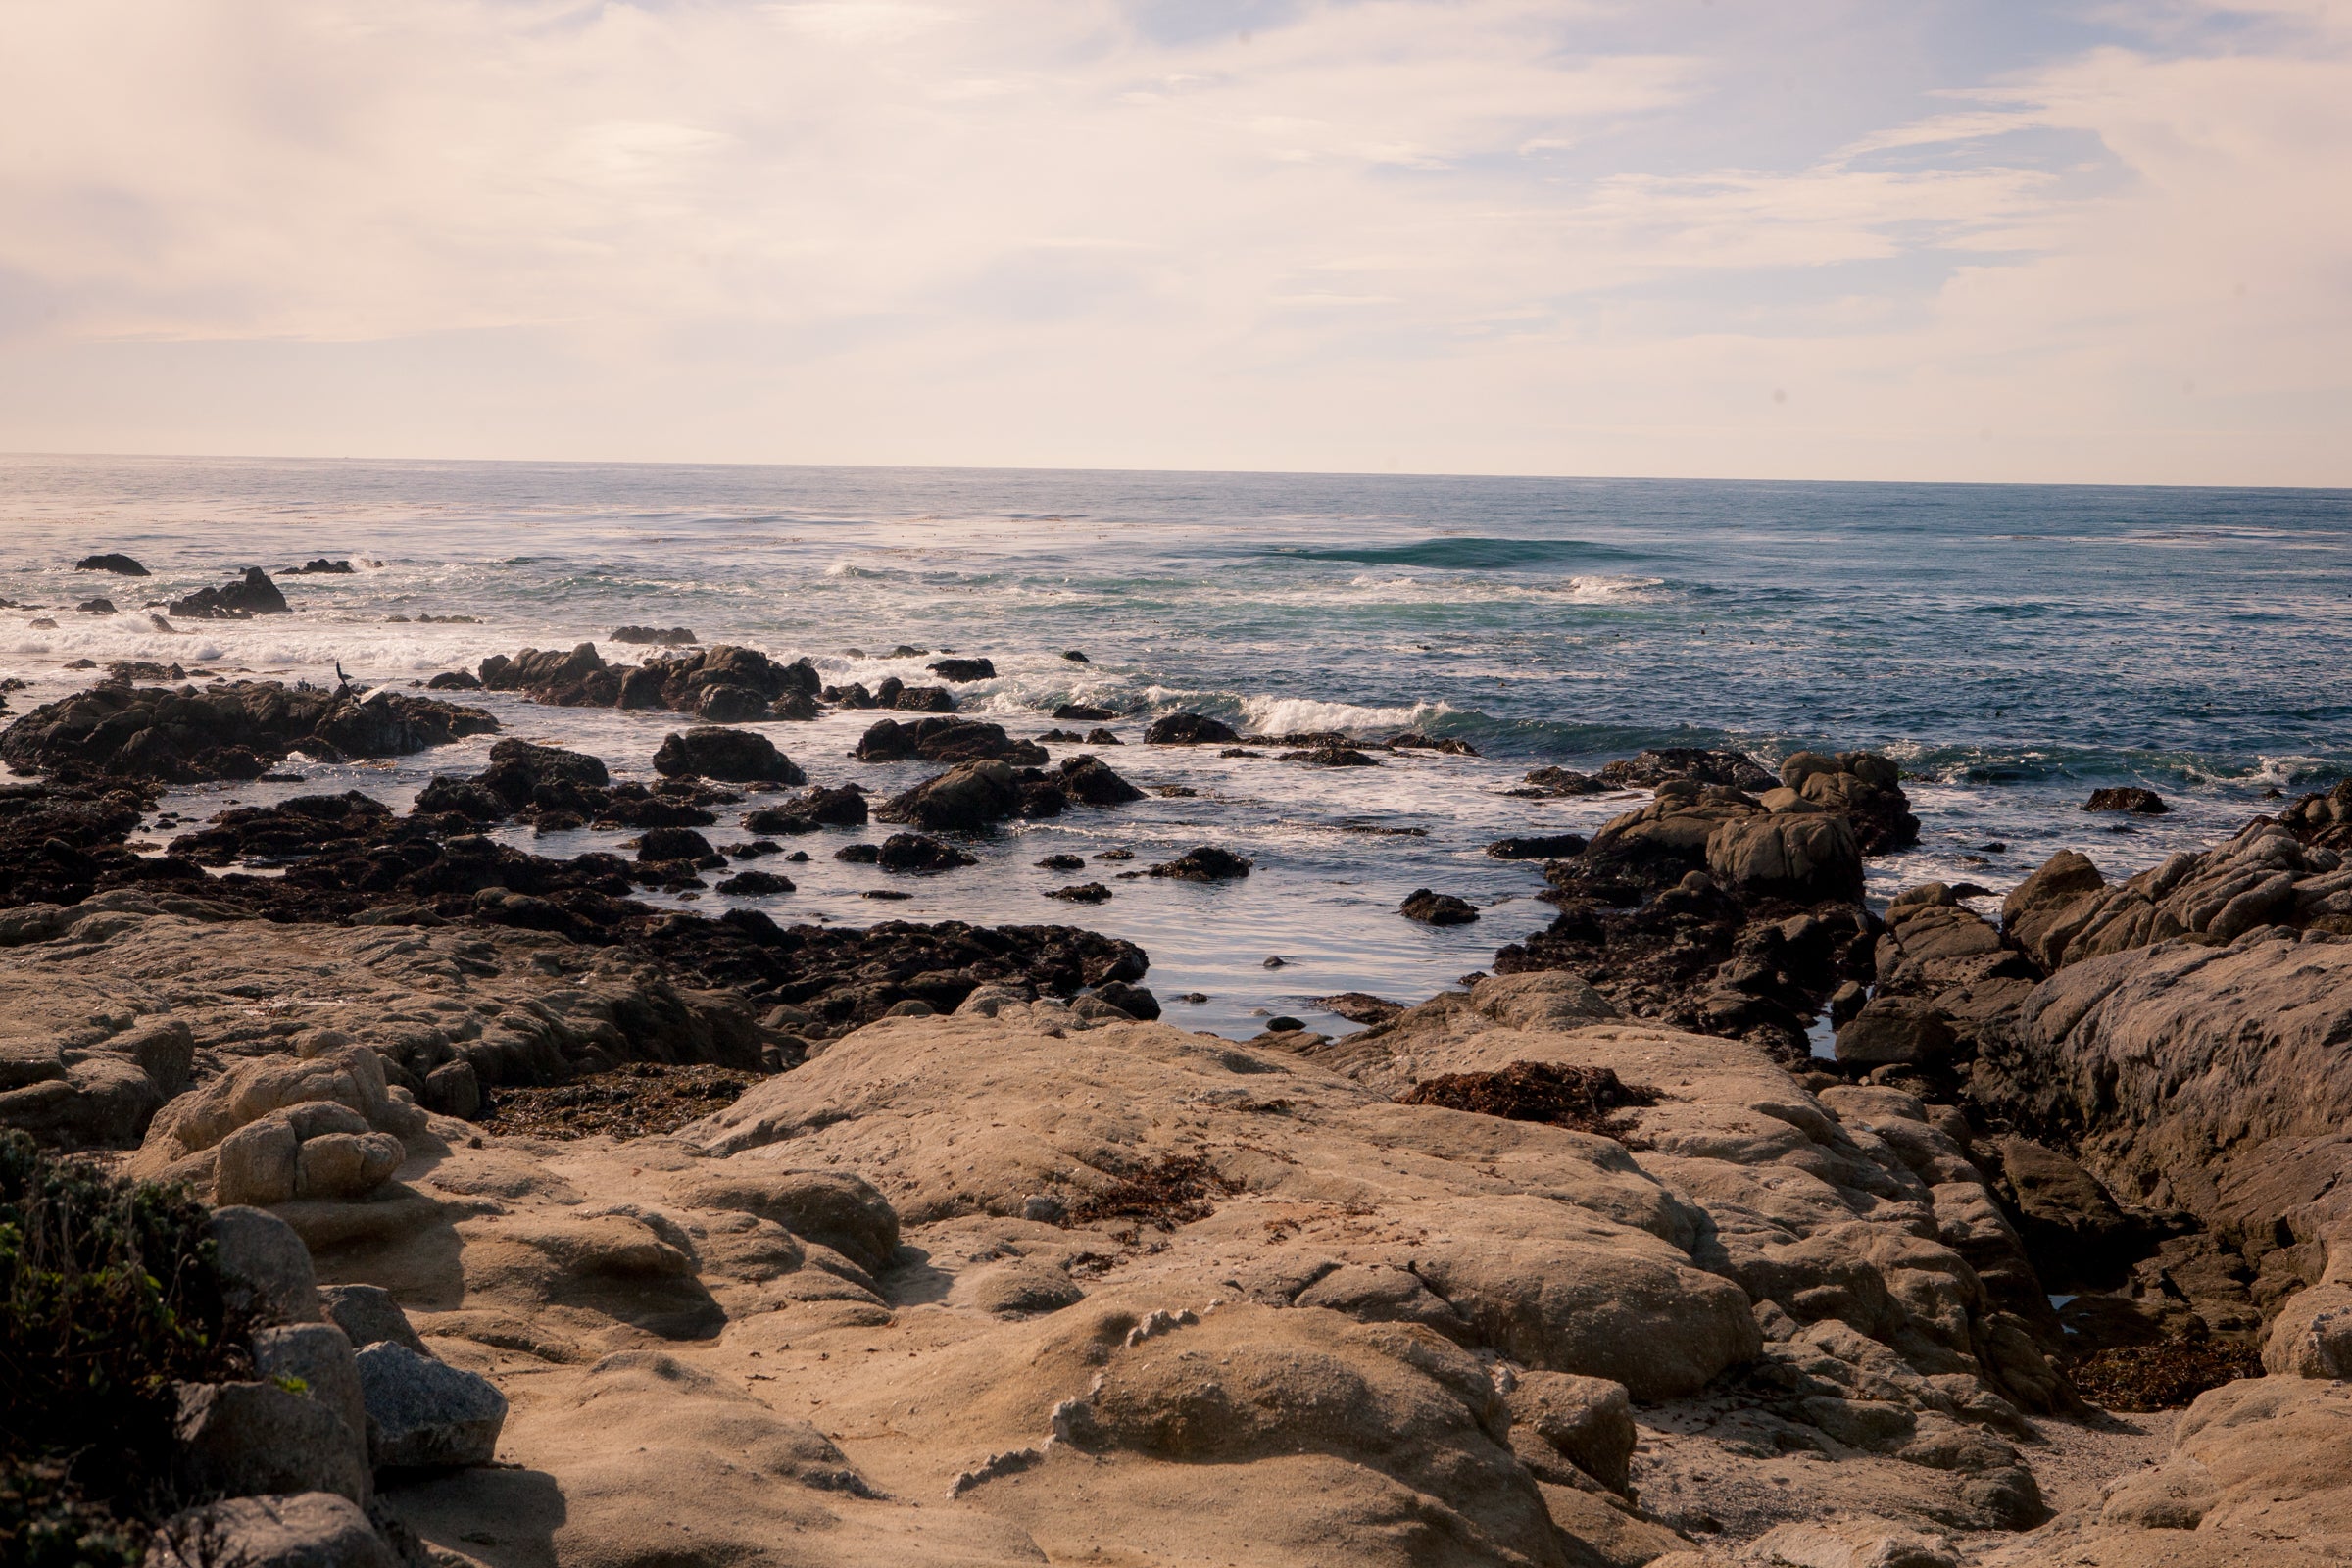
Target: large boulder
{"x": 735, "y": 755}
{"x": 287, "y": 1530}
{"x": 945, "y": 740}
{"x": 245, "y": 1439}
{"x": 1190, "y": 729}
{"x": 253, "y": 595}
{"x": 428, "y": 1415}
{"x": 967, "y": 798}
{"x": 235, "y": 730}
{"x": 1804, "y": 857}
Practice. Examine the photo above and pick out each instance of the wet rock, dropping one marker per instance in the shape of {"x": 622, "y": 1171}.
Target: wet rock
{"x": 754, "y": 884}
{"x": 1437, "y": 908}
{"x": 798, "y": 706}
{"x": 254, "y": 595}
{"x": 737, "y": 755}
{"x": 1538, "y": 847}
{"x": 1134, "y": 1000}
{"x": 1081, "y": 892}
{"x": 1330, "y": 757}
{"x": 1204, "y": 863}
{"x": 918, "y": 699}
{"x": 919, "y": 851}
{"x": 1357, "y": 1006}
{"x": 1091, "y": 780}
{"x": 1190, "y": 729}
{"x": 96, "y": 607}
{"x": 428, "y": 1415}
{"x": 1687, "y": 764}
{"x": 1063, "y": 862}
{"x": 1076, "y": 655}
{"x": 673, "y": 844}
{"x": 453, "y": 680}
{"x": 665, "y": 636}
{"x": 969, "y": 798}
{"x": 232, "y": 730}
{"x": 321, "y": 566}
{"x": 1447, "y": 744}
{"x": 960, "y": 671}
{"x": 2128, "y": 798}
{"x": 945, "y": 740}
{"x": 858, "y": 854}
{"x": 1544, "y": 782}
{"x": 1082, "y": 712}
{"x": 1103, "y": 737}
{"x": 120, "y": 566}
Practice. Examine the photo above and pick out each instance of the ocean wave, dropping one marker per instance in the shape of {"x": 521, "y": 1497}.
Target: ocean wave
{"x": 1284, "y": 715}
{"x": 1466, "y": 553}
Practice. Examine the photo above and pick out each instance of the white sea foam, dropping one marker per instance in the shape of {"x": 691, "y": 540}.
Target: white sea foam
{"x": 1283, "y": 715}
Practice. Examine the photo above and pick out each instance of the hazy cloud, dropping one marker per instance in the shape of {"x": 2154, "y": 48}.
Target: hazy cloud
{"x": 1435, "y": 234}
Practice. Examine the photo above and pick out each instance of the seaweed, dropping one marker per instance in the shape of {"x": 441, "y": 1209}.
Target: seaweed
{"x": 1586, "y": 1098}
{"x": 1173, "y": 1190}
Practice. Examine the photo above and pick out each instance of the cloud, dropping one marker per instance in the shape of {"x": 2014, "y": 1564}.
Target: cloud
{"x": 1440, "y": 235}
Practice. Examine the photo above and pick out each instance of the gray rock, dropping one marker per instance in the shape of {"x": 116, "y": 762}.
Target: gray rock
{"x": 428, "y": 1414}
{"x": 246, "y": 1439}
{"x": 368, "y": 1315}
{"x": 264, "y": 1270}
{"x": 320, "y": 1357}
{"x": 301, "y": 1530}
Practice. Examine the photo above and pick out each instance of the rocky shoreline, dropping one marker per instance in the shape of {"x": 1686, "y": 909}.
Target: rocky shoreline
{"x": 731, "y": 1241}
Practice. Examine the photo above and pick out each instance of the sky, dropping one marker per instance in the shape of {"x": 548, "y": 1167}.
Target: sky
{"x": 1886, "y": 239}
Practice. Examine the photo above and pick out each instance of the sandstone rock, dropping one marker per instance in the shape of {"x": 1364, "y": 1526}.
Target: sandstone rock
{"x": 1590, "y": 1421}
{"x": 1895, "y": 1030}
{"x": 1802, "y": 858}
{"x": 297, "y": 1530}
{"x": 1851, "y": 1544}
{"x": 428, "y": 1415}
{"x": 845, "y": 1212}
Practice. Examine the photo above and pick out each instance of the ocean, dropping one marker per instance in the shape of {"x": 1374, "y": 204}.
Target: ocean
{"x": 2012, "y": 646}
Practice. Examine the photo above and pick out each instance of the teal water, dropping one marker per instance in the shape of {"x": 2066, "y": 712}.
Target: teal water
{"x": 2014, "y": 646}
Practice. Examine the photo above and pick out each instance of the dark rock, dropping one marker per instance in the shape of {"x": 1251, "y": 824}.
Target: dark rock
{"x": 1134, "y": 1000}
{"x": 919, "y": 851}
{"x": 1189, "y": 729}
{"x": 1437, "y": 908}
{"x": 1062, "y": 863}
{"x": 842, "y": 807}
{"x": 453, "y": 680}
{"x": 1085, "y": 711}
{"x": 673, "y": 844}
{"x": 1330, "y": 757}
{"x": 1203, "y": 863}
{"x": 799, "y": 707}
{"x": 1284, "y": 1025}
{"x": 119, "y": 565}
{"x": 1075, "y": 656}
{"x": 858, "y": 854}
{"x": 264, "y": 1270}
{"x": 297, "y": 1530}
{"x": 737, "y": 755}
{"x": 665, "y": 636}
{"x": 1802, "y": 856}
{"x": 1540, "y": 846}
{"x": 753, "y": 884}
{"x": 1103, "y": 737}
{"x": 924, "y": 700}
{"x": 1895, "y": 1030}
{"x": 229, "y": 730}
{"x": 945, "y": 740}
{"x": 96, "y": 607}
{"x": 576, "y": 678}
{"x": 1081, "y": 892}
{"x": 1413, "y": 740}
{"x": 254, "y": 595}
{"x": 321, "y": 566}
{"x": 1091, "y": 780}
{"x": 1041, "y": 798}
{"x": 728, "y": 704}
{"x": 1648, "y": 770}
{"x": 1560, "y": 781}
{"x": 961, "y": 671}
{"x": 2130, "y": 798}
{"x": 2073, "y": 1230}
{"x": 967, "y": 798}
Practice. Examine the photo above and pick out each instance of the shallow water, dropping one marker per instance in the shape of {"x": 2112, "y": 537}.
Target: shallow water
{"x": 2014, "y": 646}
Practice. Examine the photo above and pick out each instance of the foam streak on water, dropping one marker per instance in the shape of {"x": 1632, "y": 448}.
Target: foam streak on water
{"x": 2012, "y": 646}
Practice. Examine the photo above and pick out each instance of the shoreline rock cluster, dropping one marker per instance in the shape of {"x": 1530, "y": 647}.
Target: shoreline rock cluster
{"x": 1591, "y": 1262}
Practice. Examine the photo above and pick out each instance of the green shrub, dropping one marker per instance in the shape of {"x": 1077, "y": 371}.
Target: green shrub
{"x": 108, "y": 1298}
